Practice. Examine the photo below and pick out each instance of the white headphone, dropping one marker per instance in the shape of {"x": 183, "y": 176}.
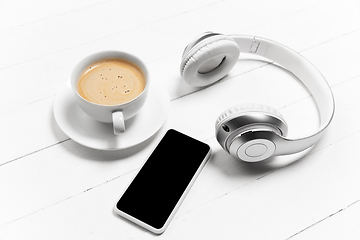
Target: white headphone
{"x": 254, "y": 132}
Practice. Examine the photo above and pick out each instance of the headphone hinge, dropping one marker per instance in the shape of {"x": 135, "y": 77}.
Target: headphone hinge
{"x": 250, "y": 44}
{"x": 258, "y": 46}
{"x": 254, "y": 46}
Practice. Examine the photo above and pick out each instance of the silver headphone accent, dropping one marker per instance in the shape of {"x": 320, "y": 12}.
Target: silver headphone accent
{"x": 245, "y": 131}
{"x": 254, "y": 132}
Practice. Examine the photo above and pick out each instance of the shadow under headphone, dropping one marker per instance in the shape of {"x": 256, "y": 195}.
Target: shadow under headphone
{"x": 255, "y": 132}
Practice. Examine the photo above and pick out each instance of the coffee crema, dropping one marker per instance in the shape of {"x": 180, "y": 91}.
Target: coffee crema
{"x": 111, "y": 82}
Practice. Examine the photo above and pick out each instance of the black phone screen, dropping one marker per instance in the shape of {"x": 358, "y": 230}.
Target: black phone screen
{"x": 160, "y": 183}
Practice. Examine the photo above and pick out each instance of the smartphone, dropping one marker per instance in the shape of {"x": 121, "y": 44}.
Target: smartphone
{"x": 161, "y": 184}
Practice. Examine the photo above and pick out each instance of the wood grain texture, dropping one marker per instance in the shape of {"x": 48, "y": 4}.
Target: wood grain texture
{"x": 54, "y": 188}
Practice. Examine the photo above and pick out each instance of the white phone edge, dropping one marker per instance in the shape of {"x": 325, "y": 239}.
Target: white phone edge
{"x": 162, "y": 229}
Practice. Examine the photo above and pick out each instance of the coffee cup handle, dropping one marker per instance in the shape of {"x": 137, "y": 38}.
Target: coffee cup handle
{"x": 118, "y": 122}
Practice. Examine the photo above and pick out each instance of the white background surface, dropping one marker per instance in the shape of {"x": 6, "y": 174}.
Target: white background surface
{"x": 54, "y": 188}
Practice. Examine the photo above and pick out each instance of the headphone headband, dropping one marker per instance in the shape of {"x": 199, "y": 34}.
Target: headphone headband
{"x": 306, "y": 73}
{"x": 222, "y": 51}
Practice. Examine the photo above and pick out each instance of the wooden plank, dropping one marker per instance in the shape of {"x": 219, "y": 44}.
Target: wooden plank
{"x": 275, "y": 205}
{"x": 342, "y": 224}
{"x": 20, "y": 13}
{"x": 73, "y": 163}
{"x": 51, "y": 187}
{"x": 36, "y": 125}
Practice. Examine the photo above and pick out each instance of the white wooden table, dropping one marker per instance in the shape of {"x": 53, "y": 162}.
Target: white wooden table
{"x": 54, "y": 188}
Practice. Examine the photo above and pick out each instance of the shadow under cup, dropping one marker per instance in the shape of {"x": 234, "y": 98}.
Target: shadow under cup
{"x": 116, "y": 114}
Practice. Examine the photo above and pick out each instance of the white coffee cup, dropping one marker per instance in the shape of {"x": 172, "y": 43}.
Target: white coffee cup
{"x": 117, "y": 114}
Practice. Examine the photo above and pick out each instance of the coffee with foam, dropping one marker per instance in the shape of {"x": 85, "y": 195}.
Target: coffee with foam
{"x": 111, "y": 82}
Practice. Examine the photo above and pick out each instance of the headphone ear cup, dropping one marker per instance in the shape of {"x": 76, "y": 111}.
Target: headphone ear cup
{"x": 252, "y": 108}
{"x": 237, "y": 127}
{"x": 209, "y": 60}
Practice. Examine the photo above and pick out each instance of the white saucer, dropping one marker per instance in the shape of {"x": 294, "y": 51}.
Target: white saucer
{"x": 93, "y": 134}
